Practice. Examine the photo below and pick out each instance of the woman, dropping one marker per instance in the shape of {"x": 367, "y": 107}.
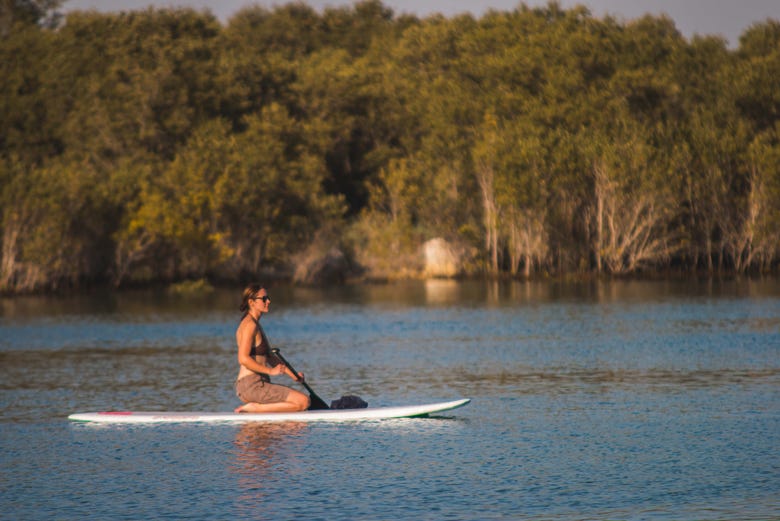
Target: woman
{"x": 253, "y": 385}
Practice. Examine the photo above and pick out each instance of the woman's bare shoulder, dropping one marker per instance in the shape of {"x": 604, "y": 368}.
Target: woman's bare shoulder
{"x": 247, "y": 325}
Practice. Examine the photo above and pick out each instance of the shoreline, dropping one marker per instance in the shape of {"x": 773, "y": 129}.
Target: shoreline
{"x": 205, "y": 285}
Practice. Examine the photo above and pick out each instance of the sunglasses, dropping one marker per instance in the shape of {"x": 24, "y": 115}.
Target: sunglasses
{"x": 264, "y": 298}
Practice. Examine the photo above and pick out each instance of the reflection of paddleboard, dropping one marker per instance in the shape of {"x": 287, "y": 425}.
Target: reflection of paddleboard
{"x": 333, "y": 415}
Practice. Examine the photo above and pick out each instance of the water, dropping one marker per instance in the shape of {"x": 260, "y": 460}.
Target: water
{"x": 622, "y": 400}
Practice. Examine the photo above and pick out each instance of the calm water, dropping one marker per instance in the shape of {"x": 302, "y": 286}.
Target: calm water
{"x": 623, "y": 400}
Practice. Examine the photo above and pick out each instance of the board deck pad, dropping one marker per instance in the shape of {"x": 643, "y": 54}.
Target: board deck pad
{"x": 332, "y": 415}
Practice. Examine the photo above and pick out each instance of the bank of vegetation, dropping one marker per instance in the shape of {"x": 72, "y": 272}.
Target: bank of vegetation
{"x": 161, "y": 145}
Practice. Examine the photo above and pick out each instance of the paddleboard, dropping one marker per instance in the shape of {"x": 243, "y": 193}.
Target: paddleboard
{"x": 328, "y": 415}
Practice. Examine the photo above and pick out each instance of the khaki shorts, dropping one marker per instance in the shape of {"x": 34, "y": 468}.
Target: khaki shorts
{"x": 254, "y": 388}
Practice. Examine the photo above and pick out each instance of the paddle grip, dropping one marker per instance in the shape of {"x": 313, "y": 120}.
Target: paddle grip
{"x": 275, "y": 352}
{"x": 316, "y": 401}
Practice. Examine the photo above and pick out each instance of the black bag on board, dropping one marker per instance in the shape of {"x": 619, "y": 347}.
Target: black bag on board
{"x": 349, "y": 402}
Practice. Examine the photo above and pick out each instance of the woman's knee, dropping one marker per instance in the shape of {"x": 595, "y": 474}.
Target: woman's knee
{"x": 301, "y": 400}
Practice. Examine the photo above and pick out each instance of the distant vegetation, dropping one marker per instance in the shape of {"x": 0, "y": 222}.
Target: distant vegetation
{"x": 159, "y": 146}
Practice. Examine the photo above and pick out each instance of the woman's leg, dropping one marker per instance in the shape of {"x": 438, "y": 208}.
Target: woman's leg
{"x": 295, "y": 401}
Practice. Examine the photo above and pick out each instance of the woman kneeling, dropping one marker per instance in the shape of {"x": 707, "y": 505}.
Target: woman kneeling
{"x": 253, "y": 385}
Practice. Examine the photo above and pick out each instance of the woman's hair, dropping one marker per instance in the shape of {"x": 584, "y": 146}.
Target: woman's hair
{"x": 249, "y": 292}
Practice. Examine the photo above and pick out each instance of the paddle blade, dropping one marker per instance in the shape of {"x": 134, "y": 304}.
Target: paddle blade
{"x": 316, "y": 403}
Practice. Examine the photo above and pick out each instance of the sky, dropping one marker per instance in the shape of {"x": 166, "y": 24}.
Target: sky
{"x": 725, "y": 18}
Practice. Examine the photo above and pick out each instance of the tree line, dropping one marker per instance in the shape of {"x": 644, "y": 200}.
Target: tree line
{"x": 161, "y": 145}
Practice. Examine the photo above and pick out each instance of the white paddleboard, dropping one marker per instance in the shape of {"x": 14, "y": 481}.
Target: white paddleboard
{"x": 332, "y": 415}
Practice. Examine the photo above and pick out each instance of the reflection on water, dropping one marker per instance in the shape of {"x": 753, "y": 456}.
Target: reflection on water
{"x": 144, "y": 306}
{"x": 262, "y": 446}
{"x": 260, "y": 451}
{"x": 439, "y": 291}
{"x": 622, "y": 399}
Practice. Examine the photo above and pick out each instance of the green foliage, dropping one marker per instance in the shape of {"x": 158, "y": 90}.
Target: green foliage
{"x": 54, "y": 226}
{"x": 233, "y": 201}
{"x": 758, "y": 75}
{"x": 158, "y": 145}
{"x": 191, "y": 288}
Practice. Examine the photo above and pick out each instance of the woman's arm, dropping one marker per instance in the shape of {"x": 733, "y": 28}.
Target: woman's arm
{"x": 289, "y": 373}
{"x": 279, "y": 364}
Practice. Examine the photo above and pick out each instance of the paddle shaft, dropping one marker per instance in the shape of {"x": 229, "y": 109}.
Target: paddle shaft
{"x": 316, "y": 402}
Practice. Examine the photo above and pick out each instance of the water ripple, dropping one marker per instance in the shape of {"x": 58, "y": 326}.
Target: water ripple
{"x": 593, "y": 401}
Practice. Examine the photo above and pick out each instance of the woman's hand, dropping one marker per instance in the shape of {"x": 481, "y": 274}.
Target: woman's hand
{"x": 279, "y": 369}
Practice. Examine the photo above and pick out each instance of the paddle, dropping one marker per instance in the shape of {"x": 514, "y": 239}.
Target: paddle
{"x": 316, "y": 401}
